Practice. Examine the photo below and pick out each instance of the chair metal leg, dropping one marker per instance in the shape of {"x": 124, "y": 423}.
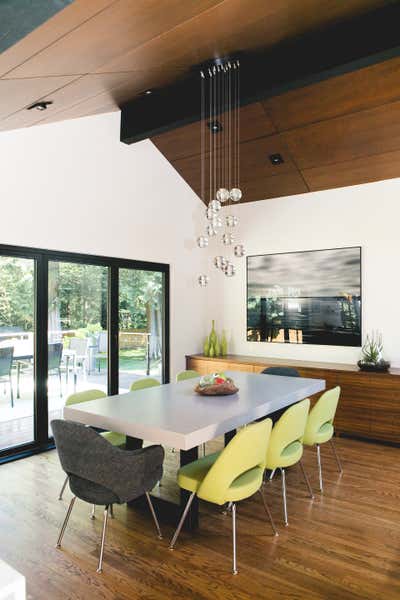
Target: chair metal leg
{"x": 339, "y": 464}
{"x": 103, "y": 539}
{"x": 11, "y": 392}
{"x": 181, "y": 522}
{"x": 111, "y": 511}
{"x": 63, "y": 488}
{"x": 271, "y": 476}
{"x": 64, "y": 525}
{"x": 93, "y": 513}
{"x": 59, "y": 377}
{"x": 285, "y": 515}
{"x": 234, "y": 561}
{"x": 266, "y": 507}
{"x": 306, "y": 480}
{"x": 153, "y": 513}
{"x": 321, "y": 487}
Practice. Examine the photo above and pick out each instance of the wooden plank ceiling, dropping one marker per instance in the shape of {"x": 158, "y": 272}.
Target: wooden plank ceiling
{"x": 94, "y": 56}
{"x": 339, "y": 132}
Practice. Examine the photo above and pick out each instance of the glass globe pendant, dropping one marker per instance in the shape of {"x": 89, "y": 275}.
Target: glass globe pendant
{"x": 220, "y": 262}
{"x": 239, "y": 250}
{"x": 202, "y": 241}
{"x": 231, "y": 220}
{"x": 211, "y": 232}
{"x": 235, "y": 194}
{"x": 203, "y": 280}
{"x": 229, "y": 269}
{"x": 216, "y": 223}
{"x": 215, "y": 206}
{"x": 223, "y": 195}
{"x": 227, "y": 239}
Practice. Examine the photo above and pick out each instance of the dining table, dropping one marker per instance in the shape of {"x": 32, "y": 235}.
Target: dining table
{"x": 176, "y": 416}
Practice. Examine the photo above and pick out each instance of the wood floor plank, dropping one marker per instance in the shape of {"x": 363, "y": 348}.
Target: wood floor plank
{"x": 343, "y": 545}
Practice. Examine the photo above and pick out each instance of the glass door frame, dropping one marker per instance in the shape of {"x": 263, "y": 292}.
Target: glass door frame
{"x": 41, "y": 257}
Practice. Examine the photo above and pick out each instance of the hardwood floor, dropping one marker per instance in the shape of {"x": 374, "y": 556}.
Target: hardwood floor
{"x": 343, "y": 545}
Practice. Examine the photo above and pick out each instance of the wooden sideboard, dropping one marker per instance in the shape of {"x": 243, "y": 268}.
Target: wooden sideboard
{"x": 369, "y": 405}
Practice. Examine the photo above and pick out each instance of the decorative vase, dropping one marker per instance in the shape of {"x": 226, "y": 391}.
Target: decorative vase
{"x": 213, "y": 335}
{"x": 217, "y": 347}
{"x": 224, "y": 344}
{"x": 211, "y": 352}
{"x": 206, "y": 347}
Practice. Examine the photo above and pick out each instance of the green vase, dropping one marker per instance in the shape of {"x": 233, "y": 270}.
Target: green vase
{"x": 211, "y": 352}
{"x": 224, "y": 344}
{"x": 217, "y": 347}
{"x": 213, "y": 335}
{"x": 206, "y": 347}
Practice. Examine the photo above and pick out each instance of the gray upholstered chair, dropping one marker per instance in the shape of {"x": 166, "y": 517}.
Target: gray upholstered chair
{"x": 6, "y": 361}
{"x": 100, "y": 473}
{"x": 283, "y": 371}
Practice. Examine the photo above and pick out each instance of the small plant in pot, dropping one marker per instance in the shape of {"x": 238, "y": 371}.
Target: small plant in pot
{"x": 372, "y": 354}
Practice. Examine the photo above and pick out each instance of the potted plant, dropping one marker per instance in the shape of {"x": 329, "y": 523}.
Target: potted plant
{"x": 372, "y": 354}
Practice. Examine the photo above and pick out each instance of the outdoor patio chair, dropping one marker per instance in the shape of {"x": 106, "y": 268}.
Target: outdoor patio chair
{"x": 6, "y": 360}
{"x": 54, "y": 361}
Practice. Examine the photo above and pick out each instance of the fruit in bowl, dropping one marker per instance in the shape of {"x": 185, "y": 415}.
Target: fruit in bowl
{"x": 216, "y": 384}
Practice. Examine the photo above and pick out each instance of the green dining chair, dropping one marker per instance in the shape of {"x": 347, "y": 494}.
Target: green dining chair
{"x": 320, "y": 430}
{"x": 142, "y": 384}
{"x": 188, "y": 374}
{"x": 232, "y": 475}
{"x": 116, "y": 439}
{"x": 285, "y": 448}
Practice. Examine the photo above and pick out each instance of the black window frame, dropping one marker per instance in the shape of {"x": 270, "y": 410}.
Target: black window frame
{"x": 42, "y": 257}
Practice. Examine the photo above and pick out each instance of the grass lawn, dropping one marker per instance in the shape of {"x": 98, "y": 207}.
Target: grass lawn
{"x": 129, "y": 360}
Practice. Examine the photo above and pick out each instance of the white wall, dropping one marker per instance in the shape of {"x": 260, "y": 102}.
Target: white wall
{"x": 73, "y": 186}
{"x": 365, "y": 215}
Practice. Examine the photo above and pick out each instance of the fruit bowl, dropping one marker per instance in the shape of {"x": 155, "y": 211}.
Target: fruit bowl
{"x": 217, "y": 384}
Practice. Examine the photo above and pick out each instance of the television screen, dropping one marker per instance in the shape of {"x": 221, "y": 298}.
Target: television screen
{"x": 311, "y": 297}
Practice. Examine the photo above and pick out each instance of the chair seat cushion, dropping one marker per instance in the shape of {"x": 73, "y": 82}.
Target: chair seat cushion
{"x": 91, "y": 492}
{"x": 190, "y": 477}
{"x": 116, "y": 439}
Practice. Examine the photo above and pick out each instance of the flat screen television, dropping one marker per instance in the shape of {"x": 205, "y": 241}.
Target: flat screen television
{"x": 308, "y": 297}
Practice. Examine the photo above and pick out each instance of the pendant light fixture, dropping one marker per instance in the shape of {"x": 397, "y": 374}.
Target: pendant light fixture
{"x": 220, "y": 163}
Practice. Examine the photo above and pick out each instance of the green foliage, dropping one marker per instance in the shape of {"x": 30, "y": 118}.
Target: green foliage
{"x": 77, "y": 296}
{"x": 16, "y": 293}
{"x": 372, "y": 348}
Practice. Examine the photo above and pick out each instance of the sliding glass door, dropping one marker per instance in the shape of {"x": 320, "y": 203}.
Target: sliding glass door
{"x": 77, "y": 331}
{"x": 69, "y": 323}
{"x": 141, "y": 318}
{"x": 17, "y": 332}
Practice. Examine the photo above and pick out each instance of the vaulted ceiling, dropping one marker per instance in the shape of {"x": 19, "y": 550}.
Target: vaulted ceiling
{"x": 333, "y": 128}
{"x": 94, "y": 56}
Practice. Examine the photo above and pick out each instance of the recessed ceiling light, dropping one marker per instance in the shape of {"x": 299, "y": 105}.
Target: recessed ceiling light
{"x": 42, "y": 105}
{"x": 276, "y": 159}
{"x": 215, "y": 126}
{"x": 148, "y": 92}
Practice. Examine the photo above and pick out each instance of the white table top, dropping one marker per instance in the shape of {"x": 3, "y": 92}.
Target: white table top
{"x": 174, "y": 415}
{"x": 12, "y": 583}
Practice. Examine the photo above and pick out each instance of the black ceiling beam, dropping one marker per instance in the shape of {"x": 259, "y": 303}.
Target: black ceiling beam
{"x": 329, "y": 52}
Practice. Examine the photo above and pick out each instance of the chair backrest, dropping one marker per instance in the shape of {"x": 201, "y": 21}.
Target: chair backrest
{"x": 80, "y": 345}
{"x": 248, "y": 449}
{"x": 290, "y": 428}
{"x": 6, "y": 358}
{"x": 322, "y": 412}
{"x": 84, "y": 396}
{"x": 188, "y": 374}
{"x": 55, "y": 354}
{"x": 283, "y": 371}
{"x": 86, "y": 454}
{"x": 141, "y": 384}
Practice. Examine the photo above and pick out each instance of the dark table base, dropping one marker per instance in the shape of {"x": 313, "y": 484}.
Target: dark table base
{"x": 167, "y": 510}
